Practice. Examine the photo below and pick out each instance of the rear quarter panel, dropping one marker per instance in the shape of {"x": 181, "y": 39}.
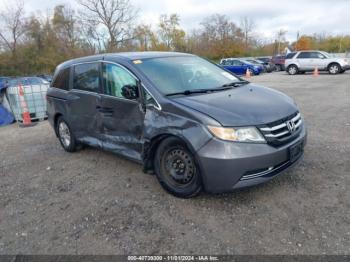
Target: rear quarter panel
{"x": 56, "y": 103}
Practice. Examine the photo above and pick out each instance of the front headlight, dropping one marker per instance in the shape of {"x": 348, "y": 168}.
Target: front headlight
{"x": 239, "y": 134}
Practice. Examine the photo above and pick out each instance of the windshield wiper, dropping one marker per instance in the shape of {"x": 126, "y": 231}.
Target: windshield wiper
{"x": 197, "y": 91}
{"x": 236, "y": 83}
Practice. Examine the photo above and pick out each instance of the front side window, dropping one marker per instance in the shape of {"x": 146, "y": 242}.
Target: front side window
{"x": 117, "y": 81}
{"x": 87, "y": 77}
{"x": 236, "y": 63}
{"x": 317, "y": 55}
{"x": 184, "y": 73}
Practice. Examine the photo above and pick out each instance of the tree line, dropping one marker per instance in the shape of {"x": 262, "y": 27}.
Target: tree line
{"x": 31, "y": 44}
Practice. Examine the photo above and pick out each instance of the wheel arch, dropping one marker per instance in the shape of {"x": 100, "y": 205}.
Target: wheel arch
{"x": 150, "y": 148}
{"x": 55, "y": 119}
{"x": 333, "y": 63}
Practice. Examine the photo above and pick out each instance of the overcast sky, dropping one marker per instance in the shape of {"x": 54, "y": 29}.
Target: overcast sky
{"x": 306, "y": 16}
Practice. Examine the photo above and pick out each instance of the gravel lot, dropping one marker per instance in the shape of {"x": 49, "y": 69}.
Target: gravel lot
{"x": 93, "y": 202}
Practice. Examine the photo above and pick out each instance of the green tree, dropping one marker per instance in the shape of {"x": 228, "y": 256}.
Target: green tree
{"x": 172, "y": 36}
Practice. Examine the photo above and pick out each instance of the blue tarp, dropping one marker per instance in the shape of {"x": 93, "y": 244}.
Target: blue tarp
{"x": 6, "y": 117}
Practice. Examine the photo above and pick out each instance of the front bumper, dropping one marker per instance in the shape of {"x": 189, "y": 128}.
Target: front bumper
{"x": 226, "y": 166}
{"x": 346, "y": 67}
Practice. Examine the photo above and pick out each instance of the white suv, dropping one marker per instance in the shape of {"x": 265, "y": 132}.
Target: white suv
{"x": 304, "y": 61}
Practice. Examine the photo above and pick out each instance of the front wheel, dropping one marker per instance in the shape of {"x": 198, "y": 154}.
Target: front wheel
{"x": 292, "y": 70}
{"x": 176, "y": 169}
{"x": 334, "y": 69}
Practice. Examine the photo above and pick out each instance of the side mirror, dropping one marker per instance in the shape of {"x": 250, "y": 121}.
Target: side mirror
{"x": 130, "y": 92}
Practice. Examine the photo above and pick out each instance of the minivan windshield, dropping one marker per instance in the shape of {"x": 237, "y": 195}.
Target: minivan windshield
{"x": 185, "y": 74}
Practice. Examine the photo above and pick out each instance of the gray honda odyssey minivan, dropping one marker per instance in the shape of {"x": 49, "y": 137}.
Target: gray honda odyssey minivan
{"x": 189, "y": 121}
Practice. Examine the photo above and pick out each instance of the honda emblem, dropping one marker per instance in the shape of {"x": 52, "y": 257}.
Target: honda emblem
{"x": 290, "y": 126}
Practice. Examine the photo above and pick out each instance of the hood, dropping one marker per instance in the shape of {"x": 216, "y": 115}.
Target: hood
{"x": 248, "y": 105}
{"x": 342, "y": 60}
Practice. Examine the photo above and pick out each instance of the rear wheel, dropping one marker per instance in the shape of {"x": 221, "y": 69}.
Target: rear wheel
{"x": 65, "y": 135}
{"x": 176, "y": 169}
{"x": 292, "y": 70}
{"x": 278, "y": 68}
{"x": 334, "y": 69}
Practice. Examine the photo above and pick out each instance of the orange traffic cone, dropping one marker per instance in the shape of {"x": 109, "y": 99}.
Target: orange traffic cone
{"x": 25, "y": 112}
{"x": 316, "y": 71}
{"x": 247, "y": 73}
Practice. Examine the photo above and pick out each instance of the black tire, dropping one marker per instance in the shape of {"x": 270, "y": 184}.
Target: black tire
{"x": 70, "y": 146}
{"x": 342, "y": 72}
{"x": 176, "y": 169}
{"x": 292, "y": 70}
{"x": 278, "y": 68}
{"x": 334, "y": 69}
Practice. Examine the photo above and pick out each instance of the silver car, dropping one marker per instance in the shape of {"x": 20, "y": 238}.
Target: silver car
{"x": 306, "y": 61}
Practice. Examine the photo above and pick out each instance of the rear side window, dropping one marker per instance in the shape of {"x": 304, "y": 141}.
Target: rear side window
{"x": 224, "y": 62}
{"x": 62, "y": 79}
{"x": 304, "y": 55}
{"x": 236, "y": 63}
{"x": 87, "y": 77}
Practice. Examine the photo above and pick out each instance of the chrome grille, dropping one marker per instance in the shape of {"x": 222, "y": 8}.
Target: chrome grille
{"x": 282, "y": 131}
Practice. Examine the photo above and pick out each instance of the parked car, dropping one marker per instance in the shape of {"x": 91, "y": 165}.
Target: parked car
{"x": 48, "y": 78}
{"x": 266, "y": 67}
{"x": 240, "y": 67}
{"x": 32, "y": 80}
{"x": 278, "y": 61}
{"x": 256, "y": 62}
{"x": 306, "y": 61}
{"x": 196, "y": 125}
{"x": 268, "y": 63}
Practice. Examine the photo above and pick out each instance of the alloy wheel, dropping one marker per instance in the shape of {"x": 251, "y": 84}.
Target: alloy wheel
{"x": 292, "y": 70}
{"x": 64, "y": 134}
{"x": 334, "y": 69}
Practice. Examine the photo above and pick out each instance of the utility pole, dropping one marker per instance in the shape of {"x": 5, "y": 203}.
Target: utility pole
{"x": 296, "y": 44}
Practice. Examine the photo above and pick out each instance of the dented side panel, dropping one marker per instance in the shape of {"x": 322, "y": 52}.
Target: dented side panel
{"x": 165, "y": 123}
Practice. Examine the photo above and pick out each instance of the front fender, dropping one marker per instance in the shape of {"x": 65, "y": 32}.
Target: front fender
{"x": 160, "y": 124}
